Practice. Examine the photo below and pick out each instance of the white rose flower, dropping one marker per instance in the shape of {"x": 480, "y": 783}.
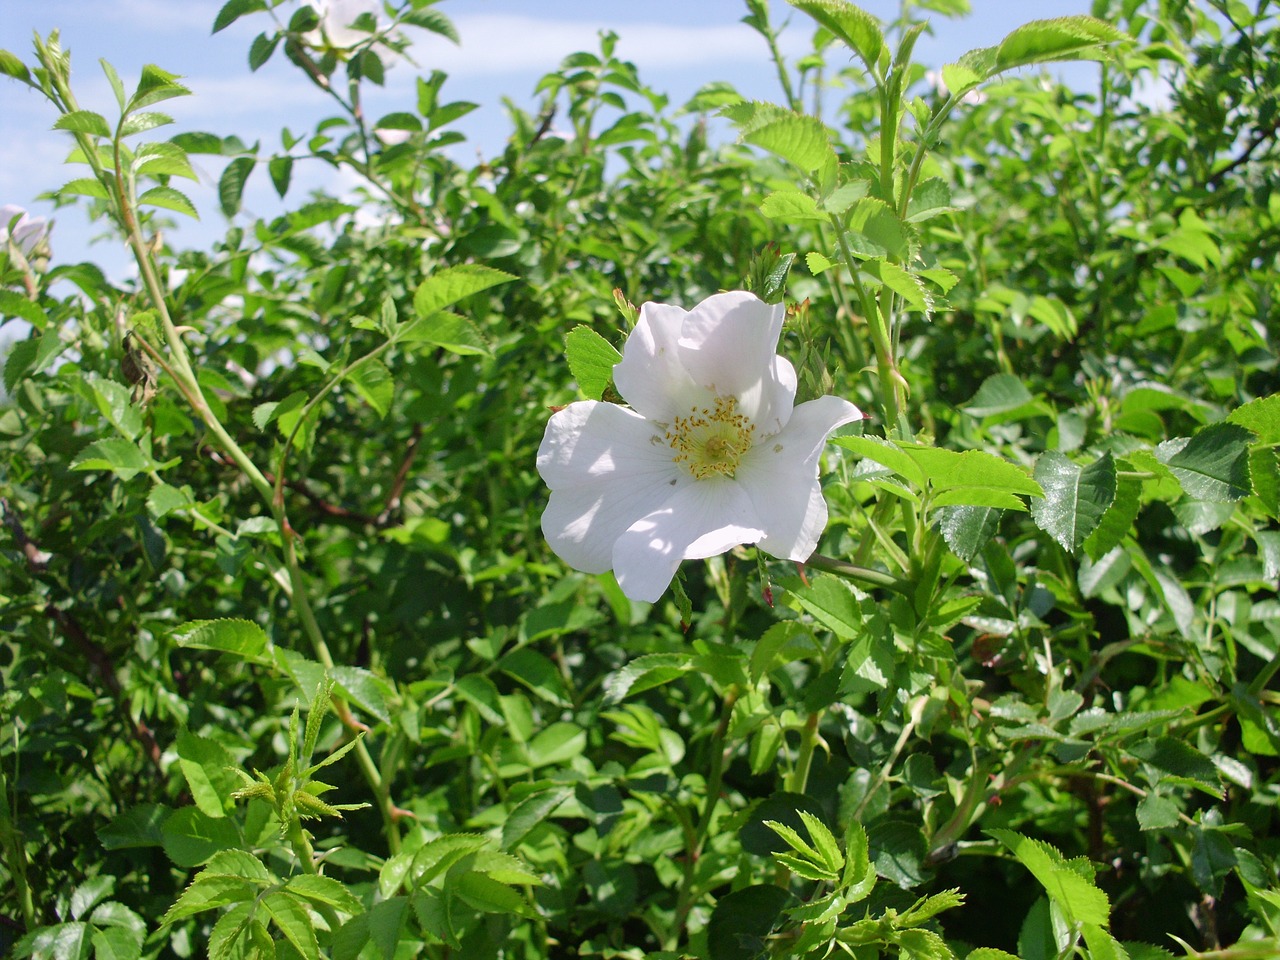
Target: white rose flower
{"x": 336, "y": 18}
{"x": 25, "y": 232}
{"x": 711, "y": 453}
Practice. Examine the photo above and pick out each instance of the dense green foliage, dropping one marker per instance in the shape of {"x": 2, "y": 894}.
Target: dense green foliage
{"x": 288, "y": 669}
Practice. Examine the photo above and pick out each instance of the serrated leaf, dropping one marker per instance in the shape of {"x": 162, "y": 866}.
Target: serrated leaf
{"x": 117, "y": 943}
{"x": 84, "y": 187}
{"x": 967, "y": 529}
{"x": 454, "y": 333}
{"x": 1079, "y": 898}
{"x": 791, "y": 206}
{"x": 857, "y": 28}
{"x": 155, "y": 85}
{"x": 1118, "y": 519}
{"x": 1262, "y": 416}
{"x": 264, "y": 413}
{"x": 1063, "y": 38}
{"x": 324, "y": 890}
{"x": 31, "y": 356}
{"x": 206, "y": 766}
{"x": 489, "y": 896}
{"x": 11, "y": 66}
{"x": 874, "y": 230}
{"x": 281, "y": 172}
{"x": 373, "y": 381}
{"x": 233, "y": 10}
{"x": 831, "y": 602}
{"x": 231, "y": 184}
{"x": 168, "y": 198}
{"x": 644, "y": 673}
{"x": 1214, "y": 464}
{"x": 240, "y": 638}
{"x": 452, "y": 284}
{"x": 292, "y": 919}
{"x": 800, "y": 140}
{"x": 261, "y": 49}
{"x": 901, "y": 282}
{"x": 83, "y": 121}
{"x": 121, "y": 457}
{"x": 209, "y": 893}
{"x": 141, "y": 122}
{"x": 591, "y": 360}
{"x": 931, "y": 198}
{"x": 1180, "y": 761}
{"x": 1075, "y": 498}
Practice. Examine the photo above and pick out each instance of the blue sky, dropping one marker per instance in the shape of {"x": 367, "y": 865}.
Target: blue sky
{"x": 678, "y": 45}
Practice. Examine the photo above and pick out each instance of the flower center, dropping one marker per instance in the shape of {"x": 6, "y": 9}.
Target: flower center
{"x": 711, "y": 441}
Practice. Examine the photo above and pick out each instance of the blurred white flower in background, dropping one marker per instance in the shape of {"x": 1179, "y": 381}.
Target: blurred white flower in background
{"x": 711, "y": 453}
{"x": 336, "y": 19}
{"x": 22, "y": 230}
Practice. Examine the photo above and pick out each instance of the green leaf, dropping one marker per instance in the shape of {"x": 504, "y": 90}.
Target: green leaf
{"x": 857, "y": 28}
{"x": 365, "y": 689}
{"x": 428, "y": 18}
{"x": 999, "y": 393}
{"x": 191, "y": 837}
{"x": 1213, "y": 465}
{"x": 931, "y": 198}
{"x": 1262, "y": 416}
{"x": 83, "y": 121}
{"x": 231, "y": 928}
{"x": 1156, "y": 812}
{"x": 530, "y": 812}
{"x": 163, "y": 158}
{"x": 231, "y": 184}
{"x": 11, "y": 66}
{"x": 117, "y": 943}
{"x": 452, "y": 284}
{"x": 241, "y": 638}
{"x": 292, "y": 919}
{"x": 644, "y": 673}
{"x": 324, "y": 890}
{"x": 901, "y": 282}
{"x": 1079, "y": 898}
{"x": 156, "y": 85}
{"x": 233, "y": 10}
{"x": 168, "y": 198}
{"x": 261, "y": 49}
{"x": 1064, "y": 38}
{"x": 373, "y": 381}
{"x": 489, "y": 896}
{"x": 1075, "y": 498}
{"x": 800, "y": 140}
{"x": 591, "y": 360}
{"x": 209, "y": 893}
{"x": 448, "y": 330}
{"x": 1118, "y": 519}
{"x": 281, "y": 171}
{"x": 791, "y": 206}
{"x": 947, "y": 469}
{"x": 831, "y": 602}
{"x": 206, "y": 766}
{"x": 742, "y": 921}
{"x": 122, "y": 457}
{"x": 874, "y": 230}
{"x": 31, "y": 356}
{"x": 141, "y": 122}
{"x": 84, "y": 187}
{"x": 1179, "y": 762}
{"x": 967, "y": 529}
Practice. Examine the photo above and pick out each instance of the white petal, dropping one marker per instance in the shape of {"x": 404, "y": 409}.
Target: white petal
{"x": 650, "y": 375}
{"x": 701, "y": 519}
{"x": 780, "y": 475}
{"x": 583, "y": 523}
{"x": 605, "y": 472}
{"x": 728, "y": 345}
{"x": 589, "y": 439}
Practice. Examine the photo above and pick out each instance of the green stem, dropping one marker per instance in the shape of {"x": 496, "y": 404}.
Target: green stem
{"x": 809, "y": 738}
{"x": 864, "y": 575}
{"x": 15, "y": 855}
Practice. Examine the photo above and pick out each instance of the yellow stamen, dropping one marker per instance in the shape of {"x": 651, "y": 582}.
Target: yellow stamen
{"x": 711, "y": 441}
